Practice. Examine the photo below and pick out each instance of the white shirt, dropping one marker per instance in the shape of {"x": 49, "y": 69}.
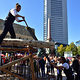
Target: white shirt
{"x": 65, "y": 65}
{"x": 14, "y": 13}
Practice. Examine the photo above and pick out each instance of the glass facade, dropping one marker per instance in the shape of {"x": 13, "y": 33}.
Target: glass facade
{"x": 45, "y": 20}
{"x": 56, "y": 10}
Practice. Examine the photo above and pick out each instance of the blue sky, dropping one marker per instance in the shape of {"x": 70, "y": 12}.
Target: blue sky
{"x": 33, "y": 12}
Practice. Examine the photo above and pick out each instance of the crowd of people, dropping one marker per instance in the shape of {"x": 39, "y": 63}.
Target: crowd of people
{"x": 45, "y": 66}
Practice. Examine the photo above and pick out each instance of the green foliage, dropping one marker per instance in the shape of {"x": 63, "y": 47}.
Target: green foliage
{"x": 61, "y": 50}
{"x": 73, "y": 48}
{"x": 78, "y": 49}
{"x": 68, "y": 48}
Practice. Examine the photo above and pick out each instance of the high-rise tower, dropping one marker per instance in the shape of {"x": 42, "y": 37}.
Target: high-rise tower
{"x": 56, "y": 11}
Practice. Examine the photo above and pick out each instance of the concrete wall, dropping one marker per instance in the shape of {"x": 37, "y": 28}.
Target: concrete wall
{"x": 20, "y": 31}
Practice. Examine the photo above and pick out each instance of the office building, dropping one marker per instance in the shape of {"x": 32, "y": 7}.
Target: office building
{"x": 56, "y": 11}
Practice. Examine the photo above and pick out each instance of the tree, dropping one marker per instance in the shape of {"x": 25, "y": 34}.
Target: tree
{"x": 61, "y": 50}
{"x": 73, "y": 48}
{"x": 78, "y": 49}
{"x": 68, "y": 48}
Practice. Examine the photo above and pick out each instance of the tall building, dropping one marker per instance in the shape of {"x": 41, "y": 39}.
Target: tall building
{"x": 56, "y": 11}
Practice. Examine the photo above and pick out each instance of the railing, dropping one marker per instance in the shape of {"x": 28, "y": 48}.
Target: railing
{"x": 28, "y": 47}
{"x": 6, "y": 66}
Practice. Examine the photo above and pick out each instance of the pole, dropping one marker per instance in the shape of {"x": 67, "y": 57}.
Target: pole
{"x": 32, "y": 67}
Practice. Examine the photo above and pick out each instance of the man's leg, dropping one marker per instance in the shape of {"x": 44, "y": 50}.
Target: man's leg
{"x": 2, "y": 36}
{"x": 12, "y": 32}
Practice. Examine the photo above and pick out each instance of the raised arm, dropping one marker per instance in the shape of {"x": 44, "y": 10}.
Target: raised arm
{"x": 57, "y": 67}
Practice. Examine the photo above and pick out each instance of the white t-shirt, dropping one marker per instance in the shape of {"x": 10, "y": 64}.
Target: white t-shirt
{"x": 65, "y": 65}
{"x": 14, "y": 13}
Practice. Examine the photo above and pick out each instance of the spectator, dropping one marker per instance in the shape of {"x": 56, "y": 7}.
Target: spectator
{"x": 66, "y": 68}
{"x": 48, "y": 66}
{"x": 76, "y": 67}
{"x": 42, "y": 66}
{"x": 59, "y": 71}
{"x": 36, "y": 67}
{"x": 52, "y": 68}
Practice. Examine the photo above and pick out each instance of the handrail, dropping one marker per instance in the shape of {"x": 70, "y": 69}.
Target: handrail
{"x": 13, "y": 62}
